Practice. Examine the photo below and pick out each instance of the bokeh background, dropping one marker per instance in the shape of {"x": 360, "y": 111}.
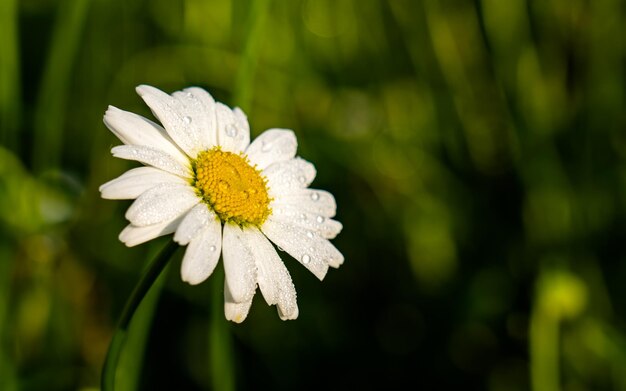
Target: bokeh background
{"x": 476, "y": 149}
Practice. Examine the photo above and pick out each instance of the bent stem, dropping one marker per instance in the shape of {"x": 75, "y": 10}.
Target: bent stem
{"x": 146, "y": 281}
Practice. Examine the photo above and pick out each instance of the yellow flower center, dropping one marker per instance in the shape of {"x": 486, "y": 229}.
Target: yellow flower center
{"x": 235, "y": 190}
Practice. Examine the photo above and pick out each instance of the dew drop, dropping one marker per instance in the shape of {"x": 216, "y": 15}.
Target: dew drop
{"x": 231, "y": 130}
{"x": 187, "y": 119}
{"x": 212, "y": 248}
{"x": 315, "y": 196}
{"x": 320, "y": 219}
{"x": 309, "y": 235}
{"x": 302, "y": 179}
{"x": 302, "y": 216}
{"x": 306, "y": 259}
{"x": 189, "y": 95}
{"x": 280, "y": 248}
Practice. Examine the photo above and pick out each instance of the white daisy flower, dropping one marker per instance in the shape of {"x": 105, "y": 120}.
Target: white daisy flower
{"x": 218, "y": 193}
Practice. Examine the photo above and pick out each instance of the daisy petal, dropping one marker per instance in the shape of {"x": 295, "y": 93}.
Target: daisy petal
{"x": 273, "y": 145}
{"x": 272, "y": 275}
{"x": 241, "y": 120}
{"x": 310, "y": 200}
{"x": 133, "y": 235}
{"x": 290, "y": 176}
{"x": 202, "y": 253}
{"x": 186, "y": 121}
{"x": 133, "y": 183}
{"x": 198, "y": 218}
{"x": 239, "y": 266}
{"x": 133, "y": 129}
{"x": 152, "y": 157}
{"x": 233, "y": 310}
{"x": 161, "y": 203}
{"x": 233, "y": 131}
{"x": 289, "y": 214}
{"x": 200, "y": 110}
{"x": 309, "y": 248}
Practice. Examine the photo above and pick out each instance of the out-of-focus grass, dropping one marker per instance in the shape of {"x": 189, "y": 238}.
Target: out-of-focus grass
{"x": 476, "y": 150}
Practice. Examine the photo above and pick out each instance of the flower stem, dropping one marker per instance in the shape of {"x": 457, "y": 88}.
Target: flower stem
{"x": 220, "y": 340}
{"x": 146, "y": 281}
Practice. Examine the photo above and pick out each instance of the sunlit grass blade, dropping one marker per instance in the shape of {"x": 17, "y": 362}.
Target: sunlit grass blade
{"x": 249, "y": 58}
{"x": 10, "y": 93}
{"x": 51, "y": 105}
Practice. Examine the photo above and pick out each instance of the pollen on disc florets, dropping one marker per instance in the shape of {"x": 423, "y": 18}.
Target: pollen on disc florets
{"x": 234, "y": 189}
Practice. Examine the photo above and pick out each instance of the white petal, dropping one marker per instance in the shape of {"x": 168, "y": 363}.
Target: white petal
{"x": 242, "y": 123}
{"x": 273, "y": 145}
{"x": 272, "y": 275}
{"x": 133, "y": 129}
{"x": 153, "y": 157}
{"x": 186, "y": 117}
{"x": 198, "y": 218}
{"x": 161, "y": 203}
{"x": 133, "y": 182}
{"x": 233, "y": 131}
{"x": 293, "y": 215}
{"x": 132, "y": 235}
{"x": 202, "y": 253}
{"x": 310, "y": 200}
{"x": 233, "y": 310}
{"x": 199, "y": 107}
{"x": 239, "y": 266}
{"x": 289, "y": 176}
{"x": 309, "y": 248}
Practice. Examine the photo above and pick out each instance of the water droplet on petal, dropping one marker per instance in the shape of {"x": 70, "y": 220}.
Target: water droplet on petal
{"x": 315, "y": 196}
{"x": 302, "y": 178}
{"x": 306, "y": 259}
{"x": 187, "y": 119}
{"x": 231, "y": 130}
{"x": 320, "y": 219}
{"x": 309, "y": 235}
{"x": 212, "y": 248}
{"x": 280, "y": 248}
{"x": 303, "y": 216}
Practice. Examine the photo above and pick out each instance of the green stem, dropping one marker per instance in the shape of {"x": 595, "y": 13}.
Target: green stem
{"x": 146, "y": 281}
{"x": 220, "y": 341}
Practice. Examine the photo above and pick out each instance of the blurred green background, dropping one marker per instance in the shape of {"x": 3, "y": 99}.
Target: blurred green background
{"x": 476, "y": 149}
